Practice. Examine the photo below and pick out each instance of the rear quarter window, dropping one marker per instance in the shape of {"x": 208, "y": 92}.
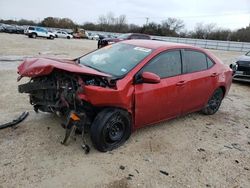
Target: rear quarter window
{"x": 210, "y": 63}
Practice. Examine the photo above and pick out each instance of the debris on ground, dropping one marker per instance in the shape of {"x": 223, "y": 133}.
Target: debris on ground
{"x": 129, "y": 178}
{"x": 15, "y": 121}
{"x": 237, "y": 146}
{"x": 164, "y": 172}
{"x": 228, "y": 147}
{"x": 122, "y": 167}
{"x": 201, "y": 149}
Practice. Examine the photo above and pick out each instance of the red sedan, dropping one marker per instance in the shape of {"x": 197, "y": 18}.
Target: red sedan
{"x": 125, "y": 86}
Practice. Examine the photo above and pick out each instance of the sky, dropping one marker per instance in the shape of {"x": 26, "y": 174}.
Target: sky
{"x": 231, "y": 14}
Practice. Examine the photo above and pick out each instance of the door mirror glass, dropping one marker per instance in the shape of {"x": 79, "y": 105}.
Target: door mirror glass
{"x": 151, "y": 78}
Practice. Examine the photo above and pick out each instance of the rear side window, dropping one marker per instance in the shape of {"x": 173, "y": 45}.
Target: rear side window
{"x": 167, "y": 64}
{"x": 194, "y": 61}
{"x": 210, "y": 63}
{"x": 31, "y": 28}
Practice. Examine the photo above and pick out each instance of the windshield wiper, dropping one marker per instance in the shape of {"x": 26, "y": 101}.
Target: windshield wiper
{"x": 93, "y": 68}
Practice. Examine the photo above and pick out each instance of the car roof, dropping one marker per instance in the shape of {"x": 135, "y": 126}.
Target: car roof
{"x": 155, "y": 44}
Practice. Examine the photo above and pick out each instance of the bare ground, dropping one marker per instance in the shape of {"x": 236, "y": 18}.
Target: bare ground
{"x": 194, "y": 150}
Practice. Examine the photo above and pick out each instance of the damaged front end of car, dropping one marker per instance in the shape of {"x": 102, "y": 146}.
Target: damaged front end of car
{"x": 59, "y": 91}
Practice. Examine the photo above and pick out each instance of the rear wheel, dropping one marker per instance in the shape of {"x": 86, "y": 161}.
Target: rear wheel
{"x": 68, "y": 37}
{"x": 214, "y": 102}
{"x": 110, "y": 129}
{"x": 51, "y": 37}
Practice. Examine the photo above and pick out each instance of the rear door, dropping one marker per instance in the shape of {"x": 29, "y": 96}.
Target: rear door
{"x": 197, "y": 81}
{"x": 157, "y": 102}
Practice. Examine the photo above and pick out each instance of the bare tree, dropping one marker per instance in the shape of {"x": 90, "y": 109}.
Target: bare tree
{"x": 172, "y": 25}
{"x": 202, "y": 31}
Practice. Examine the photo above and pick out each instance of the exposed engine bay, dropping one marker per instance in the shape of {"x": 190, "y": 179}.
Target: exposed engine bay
{"x": 58, "y": 93}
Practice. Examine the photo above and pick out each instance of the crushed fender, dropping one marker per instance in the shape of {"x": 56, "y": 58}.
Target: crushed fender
{"x": 15, "y": 121}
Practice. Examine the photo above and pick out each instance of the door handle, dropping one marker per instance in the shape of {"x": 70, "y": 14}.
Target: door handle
{"x": 214, "y": 74}
{"x": 181, "y": 83}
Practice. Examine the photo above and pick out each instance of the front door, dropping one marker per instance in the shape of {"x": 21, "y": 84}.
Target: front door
{"x": 157, "y": 102}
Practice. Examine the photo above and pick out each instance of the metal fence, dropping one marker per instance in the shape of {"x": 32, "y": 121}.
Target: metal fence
{"x": 209, "y": 44}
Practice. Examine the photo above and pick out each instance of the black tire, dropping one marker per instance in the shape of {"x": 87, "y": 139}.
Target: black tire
{"x": 214, "y": 102}
{"x": 51, "y": 37}
{"x": 33, "y": 35}
{"x": 68, "y": 37}
{"x": 56, "y": 36}
{"x": 110, "y": 129}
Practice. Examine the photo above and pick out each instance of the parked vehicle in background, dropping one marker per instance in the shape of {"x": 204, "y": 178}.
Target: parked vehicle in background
{"x": 127, "y": 36}
{"x": 133, "y": 84}
{"x": 33, "y": 32}
{"x": 80, "y": 34}
{"x": 241, "y": 68}
{"x": 1, "y": 27}
{"x": 96, "y": 37}
{"x": 63, "y": 34}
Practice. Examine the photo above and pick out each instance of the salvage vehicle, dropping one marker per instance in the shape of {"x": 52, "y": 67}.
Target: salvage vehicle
{"x": 128, "y": 36}
{"x": 34, "y": 32}
{"x": 242, "y": 68}
{"x": 122, "y": 87}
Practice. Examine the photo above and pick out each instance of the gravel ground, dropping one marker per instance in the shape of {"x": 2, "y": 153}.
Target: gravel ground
{"x": 190, "y": 151}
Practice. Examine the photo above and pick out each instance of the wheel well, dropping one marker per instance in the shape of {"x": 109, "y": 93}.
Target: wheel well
{"x": 224, "y": 90}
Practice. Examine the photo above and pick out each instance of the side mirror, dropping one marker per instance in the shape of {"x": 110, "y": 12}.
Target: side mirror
{"x": 151, "y": 78}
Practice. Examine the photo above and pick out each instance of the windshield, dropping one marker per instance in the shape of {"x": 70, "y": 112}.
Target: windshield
{"x": 123, "y": 36}
{"x": 117, "y": 59}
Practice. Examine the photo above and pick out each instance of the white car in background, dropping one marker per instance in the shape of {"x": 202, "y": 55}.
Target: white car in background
{"x": 93, "y": 36}
{"x": 63, "y": 34}
{"x": 33, "y": 32}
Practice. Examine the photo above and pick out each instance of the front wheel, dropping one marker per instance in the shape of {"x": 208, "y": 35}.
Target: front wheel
{"x": 110, "y": 129}
{"x": 33, "y": 35}
{"x": 214, "y": 102}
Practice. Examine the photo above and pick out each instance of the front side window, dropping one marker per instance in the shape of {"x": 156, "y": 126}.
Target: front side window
{"x": 166, "y": 64}
{"x": 194, "y": 61}
{"x": 117, "y": 59}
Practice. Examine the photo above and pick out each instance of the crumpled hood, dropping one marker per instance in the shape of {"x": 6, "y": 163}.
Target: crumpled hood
{"x": 34, "y": 67}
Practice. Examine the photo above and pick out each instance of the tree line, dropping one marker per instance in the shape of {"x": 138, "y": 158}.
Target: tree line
{"x": 171, "y": 27}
